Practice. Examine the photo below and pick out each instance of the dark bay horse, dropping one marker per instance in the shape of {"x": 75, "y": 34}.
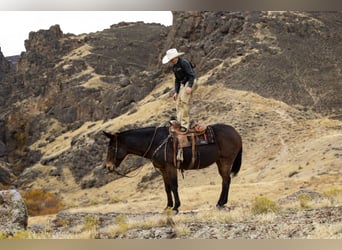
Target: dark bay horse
{"x": 155, "y": 143}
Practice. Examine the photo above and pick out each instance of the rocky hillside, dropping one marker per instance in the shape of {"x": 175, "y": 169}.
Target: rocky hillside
{"x": 274, "y": 76}
{"x": 63, "y": 81}
{"x": 288, "y": 56}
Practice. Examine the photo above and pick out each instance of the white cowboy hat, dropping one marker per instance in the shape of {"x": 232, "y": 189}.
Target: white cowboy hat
{"x": 170, "y": 54}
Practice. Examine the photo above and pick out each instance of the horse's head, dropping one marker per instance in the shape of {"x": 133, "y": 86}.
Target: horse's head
{"x": 116, "y": 151}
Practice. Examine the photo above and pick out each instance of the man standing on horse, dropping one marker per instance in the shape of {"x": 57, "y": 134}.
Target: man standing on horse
{"x": 184, "y": 85}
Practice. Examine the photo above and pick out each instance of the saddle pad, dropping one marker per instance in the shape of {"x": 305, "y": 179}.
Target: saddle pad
{"x": 206, "y": 138}
{"x": 185, "y": 139}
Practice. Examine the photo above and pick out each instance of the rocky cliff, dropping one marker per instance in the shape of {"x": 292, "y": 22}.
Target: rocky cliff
{"x": 288, "y": 56}
{"x": 65, "y": 82}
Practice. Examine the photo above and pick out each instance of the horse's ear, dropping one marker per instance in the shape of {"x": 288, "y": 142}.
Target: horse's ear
{"x": 109, "y": 135}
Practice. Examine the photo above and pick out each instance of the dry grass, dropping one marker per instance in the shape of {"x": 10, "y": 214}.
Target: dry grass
{"x": 324, "y": 231}
{"x": 334, "y": 195}
{"x": 260, "y": 211}
{"x": 96, "y": 83}
{"x": 40, "y": 202}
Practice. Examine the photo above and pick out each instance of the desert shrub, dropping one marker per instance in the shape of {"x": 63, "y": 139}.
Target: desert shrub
{"x": 3, "y": 236}
{"x": 263, "y": 205}
{"x": 23, "y": 234}
{"x": 334, "y": 195}
{"x": 121, "y": 221}
{"x": 182, "y": 230}
{"x": 304, "y": 200}
{"x": 333, "y": 192}
{"x": 40, "y": 202}
{"x": 90, "y": 222}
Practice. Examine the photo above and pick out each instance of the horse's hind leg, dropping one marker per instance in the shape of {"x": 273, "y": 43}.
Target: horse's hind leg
{"x": 224, "y": 170}
{"x": 167, "y": 184}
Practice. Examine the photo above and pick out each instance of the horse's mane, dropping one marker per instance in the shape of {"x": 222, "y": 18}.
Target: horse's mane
{"x": 143, "y": 129}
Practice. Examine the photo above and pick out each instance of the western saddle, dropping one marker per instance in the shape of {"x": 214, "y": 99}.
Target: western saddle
{"x": 197, "y": 134}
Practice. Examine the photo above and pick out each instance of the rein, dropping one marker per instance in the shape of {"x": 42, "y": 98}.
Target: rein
{"x": 160, "y": 146}
{"x": 147, "y": 150}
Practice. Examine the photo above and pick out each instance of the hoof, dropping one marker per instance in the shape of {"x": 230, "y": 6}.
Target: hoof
{"x": 218, "y": 206}
{"x": 175, "y": 211}
{"x": 168, "y": 211}
{"x": 224, "y": 207}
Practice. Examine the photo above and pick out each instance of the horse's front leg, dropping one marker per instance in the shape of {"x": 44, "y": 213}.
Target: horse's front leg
{"x": 172, "y": 173}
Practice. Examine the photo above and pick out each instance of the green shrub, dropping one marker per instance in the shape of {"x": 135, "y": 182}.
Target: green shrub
{"x": 120, "y": 219}
{"x": 333, "y": 192}
{"x": 3, "y": 236}
{"x": 334, "y": 195}
{"x": 122, "y": 224}
{"x": 304, "y": 200}
{"x": 23, "y": 234}
{"x": 90, "y": 222}
{"x": 263, "y": 205}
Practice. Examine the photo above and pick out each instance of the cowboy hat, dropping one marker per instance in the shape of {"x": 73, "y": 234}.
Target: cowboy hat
{"x": 170, "y": 54}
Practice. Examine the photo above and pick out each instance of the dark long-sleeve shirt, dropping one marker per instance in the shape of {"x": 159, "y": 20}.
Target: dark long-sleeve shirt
{"x": 183, "y": 73}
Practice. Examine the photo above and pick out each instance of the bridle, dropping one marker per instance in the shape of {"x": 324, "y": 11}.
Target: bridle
{"x": 116, "y": 152}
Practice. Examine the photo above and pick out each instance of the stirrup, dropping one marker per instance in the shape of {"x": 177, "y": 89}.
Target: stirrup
{"x": 183, "y": 129}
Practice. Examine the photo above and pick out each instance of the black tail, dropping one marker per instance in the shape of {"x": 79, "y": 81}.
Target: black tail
{"x": 237, "y": 163}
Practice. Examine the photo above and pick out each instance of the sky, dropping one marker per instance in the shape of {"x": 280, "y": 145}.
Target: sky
{"x": 15, "y": 26}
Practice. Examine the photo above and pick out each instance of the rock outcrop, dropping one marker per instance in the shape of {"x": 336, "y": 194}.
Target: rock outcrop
{"x": 5, "y": 65}
{"x": 63, "y": 80}
{"x": 289, "y": 56}
{"x": 13, "y": 212}
{"x": 5, "y": 89}
{"x": 6, "y": 173}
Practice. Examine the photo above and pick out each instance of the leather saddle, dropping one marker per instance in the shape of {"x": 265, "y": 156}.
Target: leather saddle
{"x": 197, "y": 134}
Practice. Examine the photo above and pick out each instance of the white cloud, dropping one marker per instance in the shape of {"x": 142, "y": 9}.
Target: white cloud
{"x": 15, "y": 26}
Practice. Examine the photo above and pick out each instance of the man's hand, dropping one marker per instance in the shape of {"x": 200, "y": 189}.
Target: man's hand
{"x": 188, "y": 90}
{"x": 175, "y": 95}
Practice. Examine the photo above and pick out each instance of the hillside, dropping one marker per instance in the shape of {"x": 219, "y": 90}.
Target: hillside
{"x": 274, "y": 76}
{"x": 299, "y": 155}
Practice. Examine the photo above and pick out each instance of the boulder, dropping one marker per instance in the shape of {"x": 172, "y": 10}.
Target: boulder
{"x": 13, "y": 212}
